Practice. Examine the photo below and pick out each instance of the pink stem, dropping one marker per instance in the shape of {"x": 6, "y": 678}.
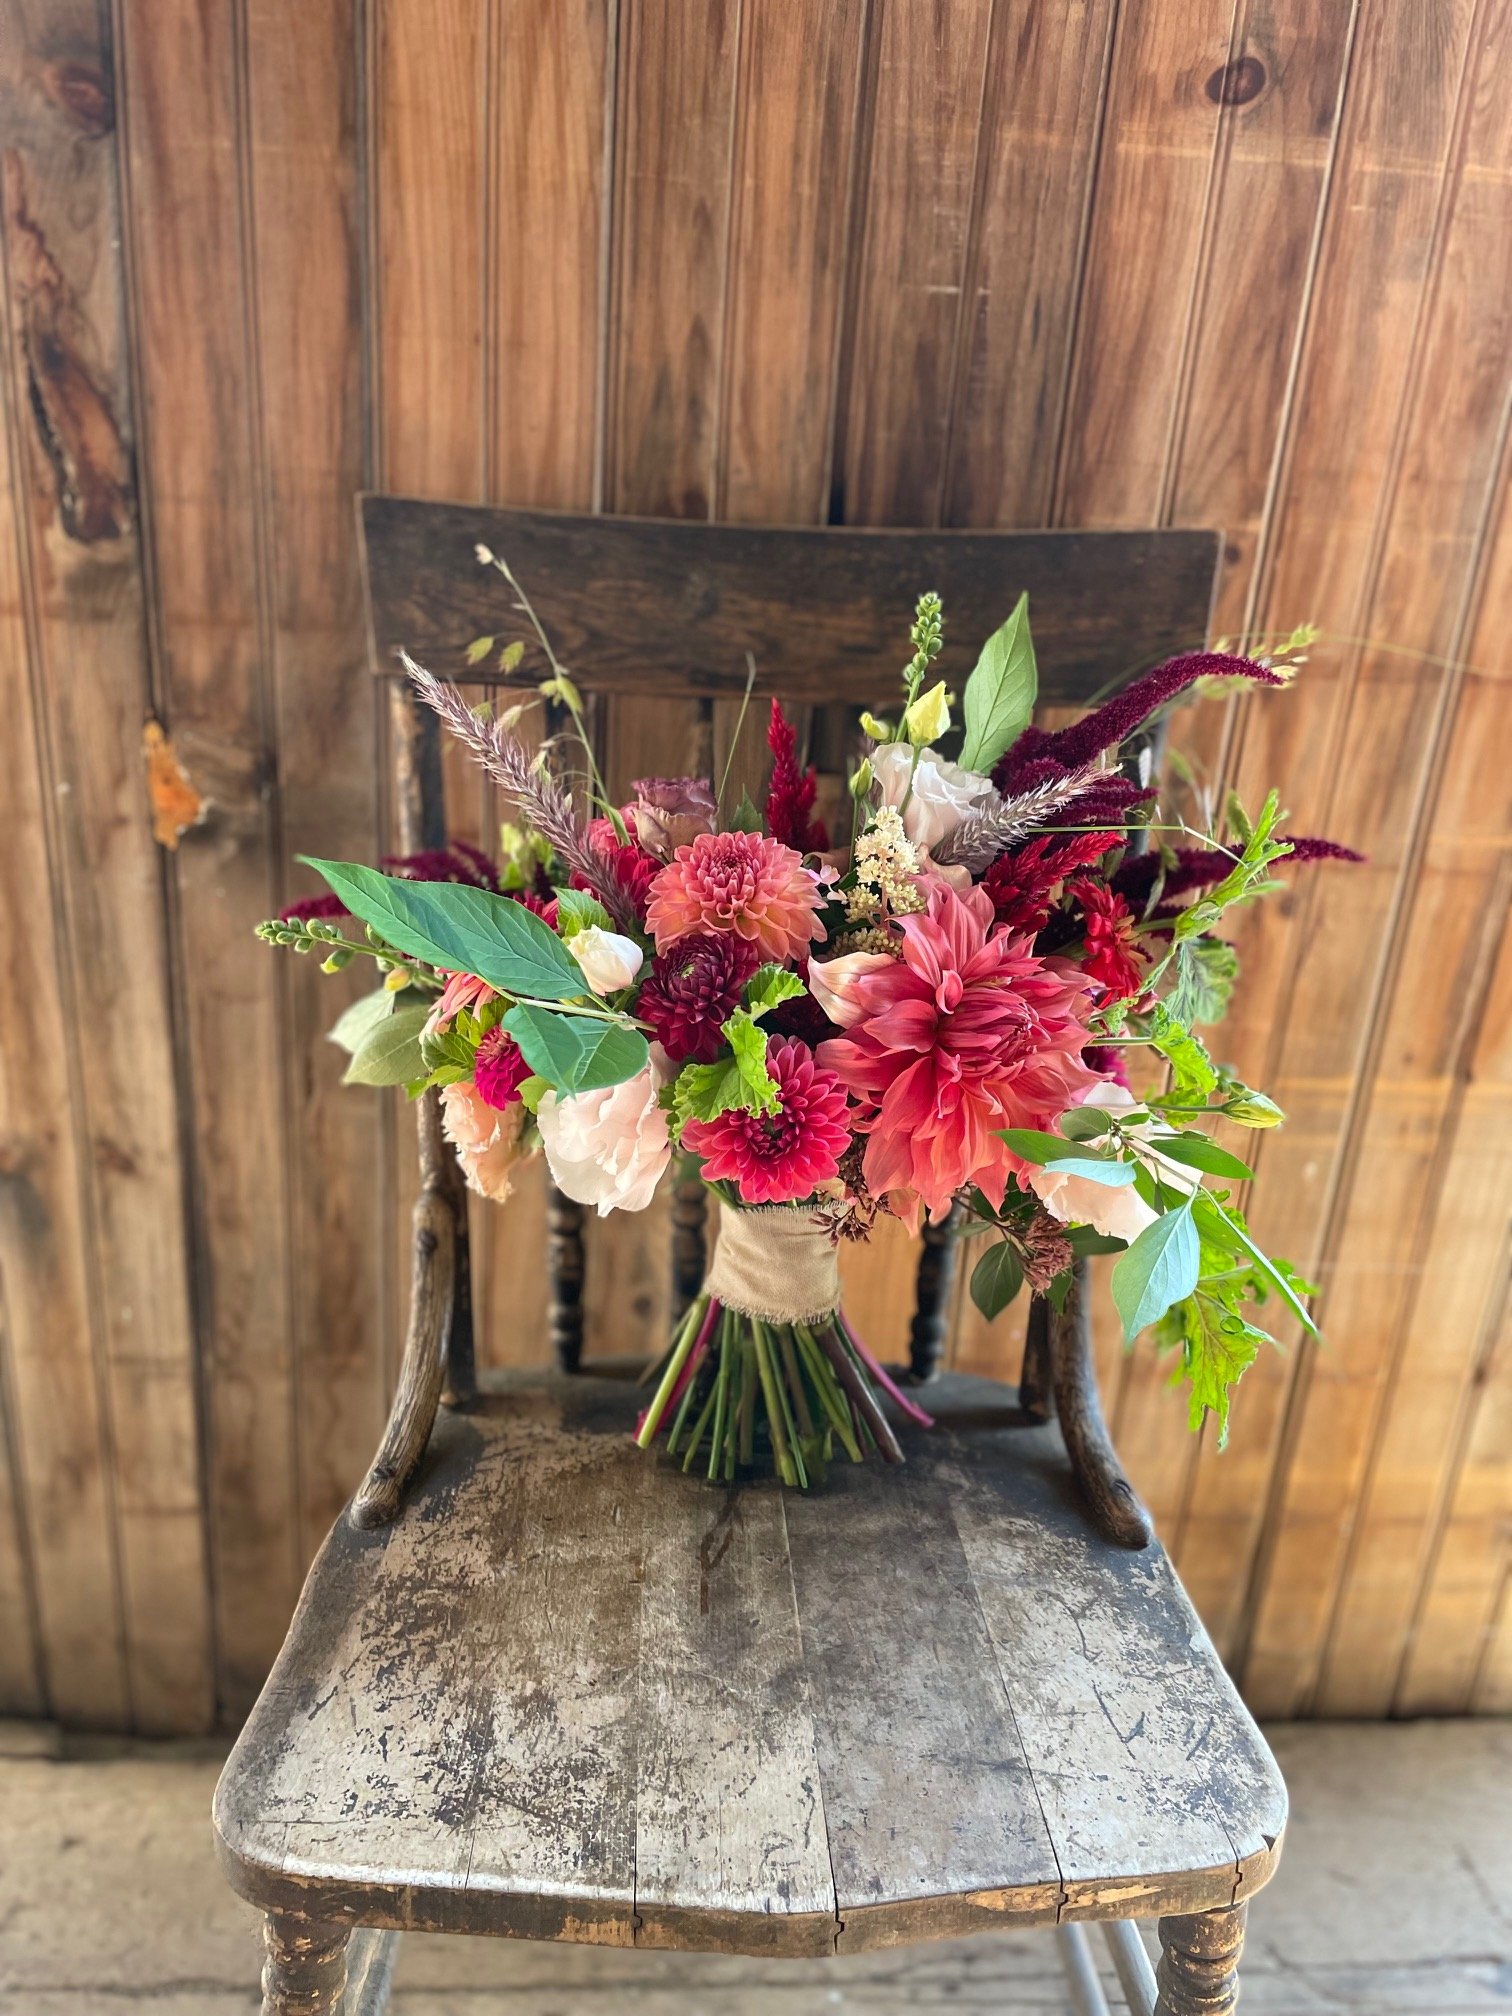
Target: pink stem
{"x": 858, "y": 1345}
{"x": 695, "y": 1359}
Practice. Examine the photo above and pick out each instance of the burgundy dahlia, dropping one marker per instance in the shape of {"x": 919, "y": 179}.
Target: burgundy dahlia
{"x": 499, "y": 1070}
{"x": 692, "y": 989}
{"x": 781, "y": 1157}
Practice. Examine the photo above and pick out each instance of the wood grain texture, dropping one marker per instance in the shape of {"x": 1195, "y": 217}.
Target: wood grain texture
{"x": 197, "y": 374}
{"x": 690, "y": 600}
{"x": 55, "y": 1408}
{"x": 77, "y": 507}
{"x": 572, "y": 1694}
{"x": 302, "y": 163}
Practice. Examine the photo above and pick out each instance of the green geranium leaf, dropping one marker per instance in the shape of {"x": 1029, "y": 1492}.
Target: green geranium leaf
{"x": 768, "y": 987}
{"x": 996, "y": 1279}
{"x": 1193, "y": 1075}
{"x": 1001, "y": 692}
{"x": 574, "y": 1053}
{"x": 1224, "y": 1228}
{"x": 1198, "y": 1152}
{"x": 1217, "y": 1348}
{"x": 704, "y": 1091}
{"x": 1160, "y": 1268}
{"x": 361, "y": 1019}
{"x": 745, "y": 818}
{"x": 390, "y": 1053}
{"x": 460, "y": 929}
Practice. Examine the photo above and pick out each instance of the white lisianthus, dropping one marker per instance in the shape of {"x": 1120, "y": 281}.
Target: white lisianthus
{"x": 609, "y": 962}
{"x": 943, "y": 793}
{"x": 609, "y": 1148}
{"x": 1117, "y": 1213}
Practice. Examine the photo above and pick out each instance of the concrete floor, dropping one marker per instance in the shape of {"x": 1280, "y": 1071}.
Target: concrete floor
{"x": 1394, "y": 1896}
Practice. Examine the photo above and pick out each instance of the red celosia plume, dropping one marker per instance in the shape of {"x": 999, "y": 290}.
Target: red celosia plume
{"x": 790, "y": 796}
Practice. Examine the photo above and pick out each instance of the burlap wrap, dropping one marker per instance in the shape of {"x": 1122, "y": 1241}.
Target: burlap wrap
{"x": 775, "y": 1263}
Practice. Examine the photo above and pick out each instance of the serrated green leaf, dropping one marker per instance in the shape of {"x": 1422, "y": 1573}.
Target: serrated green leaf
{"x": 1217, "y": 1348}
{"x": 459, "y": 929}
{"x": 360, "y": 1020}
{"x": 574, "y": 1053}
{"x": 1001, "y": 692}
{"x": 1196, "y": 1151}
{"x": 1225, "y": 1227}
{"x": 1160, "y": 1268}
{"x": 996, "y": 1279}
{"x": 1206, "y": 969}
{"x": 1192, "y": 1074}
{"x": 745, "y": 818}
{"x": 390, "y": 1053}
{"x": 768, "y": 987}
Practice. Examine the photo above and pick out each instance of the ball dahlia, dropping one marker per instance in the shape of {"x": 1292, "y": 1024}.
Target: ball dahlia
{"x": 691, "y": 991}
{"x": 781, "y": 1157}
{"x": 743, "y": 884}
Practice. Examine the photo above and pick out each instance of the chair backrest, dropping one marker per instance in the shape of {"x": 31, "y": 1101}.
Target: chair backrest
{"x": 667, "y": 609}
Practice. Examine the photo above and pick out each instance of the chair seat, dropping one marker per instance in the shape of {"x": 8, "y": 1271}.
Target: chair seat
{"x": 573, "y": 1694}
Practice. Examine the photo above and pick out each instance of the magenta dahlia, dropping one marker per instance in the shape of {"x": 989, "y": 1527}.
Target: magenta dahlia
{"x": 692, "y": 990}
{"x": 499, "y": 1070}
{"x": 744, "y": 884}
{"x": 781, "y": 1157}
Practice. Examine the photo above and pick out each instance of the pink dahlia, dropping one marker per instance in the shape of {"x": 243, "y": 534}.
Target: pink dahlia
{"x": 781, "y": 1157}
{"x": 499, "y": 1069}
{"x": 692, "y": 990}
{"x": 742, "y": 883}
{"x": 968, "y": 1032}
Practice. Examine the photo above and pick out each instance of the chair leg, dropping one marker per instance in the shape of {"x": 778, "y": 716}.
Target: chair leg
{"x": 1113, "y": 1501}
{"x": 1198, "y": 1973}
{"x": 432, "y": 1301}
{"x": 1035, "y": 1395}
{"x": 306, "y": 1968}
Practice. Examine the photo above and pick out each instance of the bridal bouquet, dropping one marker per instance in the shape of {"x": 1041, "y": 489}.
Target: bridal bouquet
{"x": 936, "y": 1011}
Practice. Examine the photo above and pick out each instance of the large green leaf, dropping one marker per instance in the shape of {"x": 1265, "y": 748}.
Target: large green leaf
{"x": 461, "y": 929}
{"x": 1198, "y": 1152}
{"x": 575, "y": 1053}
{"x": 361, "y": 1019}
{"x": 1000, "y": 693}
{"x": 390, "y": 1053}
{"x": 1160, "y": 1268}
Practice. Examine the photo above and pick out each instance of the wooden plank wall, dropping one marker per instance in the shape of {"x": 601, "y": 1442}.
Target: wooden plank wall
{"x": 915, "y": 262}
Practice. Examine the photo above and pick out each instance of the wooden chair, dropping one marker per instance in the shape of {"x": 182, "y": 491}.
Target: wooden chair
{"x": 540, "y": 1686}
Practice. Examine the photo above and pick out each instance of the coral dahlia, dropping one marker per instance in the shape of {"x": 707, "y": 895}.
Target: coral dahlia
{"x": 742, "y": 883}
{"x": 967, "y": 1033}
{"x": 781, "y": 1157}
{"x": 692, "y": 990}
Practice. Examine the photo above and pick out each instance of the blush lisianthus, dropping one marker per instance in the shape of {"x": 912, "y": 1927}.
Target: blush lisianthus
{"x": 745, "y": 884}
{"x": 692, "y": 990}
{"x": 488, "y": 1143}
{"x": 966, "y": 1033}
{"x": 781, "y": 1157}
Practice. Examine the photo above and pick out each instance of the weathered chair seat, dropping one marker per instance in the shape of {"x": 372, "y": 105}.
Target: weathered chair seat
{"x": 572, "y": 1694}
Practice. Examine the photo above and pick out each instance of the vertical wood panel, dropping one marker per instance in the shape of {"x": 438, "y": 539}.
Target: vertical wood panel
{"x": 56, "y": 1418}
{"x": 1346, "y": 430}
{"x": 199, "y": 467}
{"x": 76, "y": 497}
{"x": 302, "y": 141}
{"x": 1039, "y": 149}
{"x": 914, "y": 242}
{"x": 22, "y": 1691}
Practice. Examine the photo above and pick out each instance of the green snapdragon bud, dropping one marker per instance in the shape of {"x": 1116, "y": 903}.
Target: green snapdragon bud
{"x": 1253, "y": 1109}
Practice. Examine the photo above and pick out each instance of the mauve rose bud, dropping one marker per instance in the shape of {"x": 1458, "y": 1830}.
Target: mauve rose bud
{"x": 671, "y": 812}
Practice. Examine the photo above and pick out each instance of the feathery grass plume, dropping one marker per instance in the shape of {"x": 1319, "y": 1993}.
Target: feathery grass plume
{"x": 981, "y": 837}
{"x": 534, "y": 793}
